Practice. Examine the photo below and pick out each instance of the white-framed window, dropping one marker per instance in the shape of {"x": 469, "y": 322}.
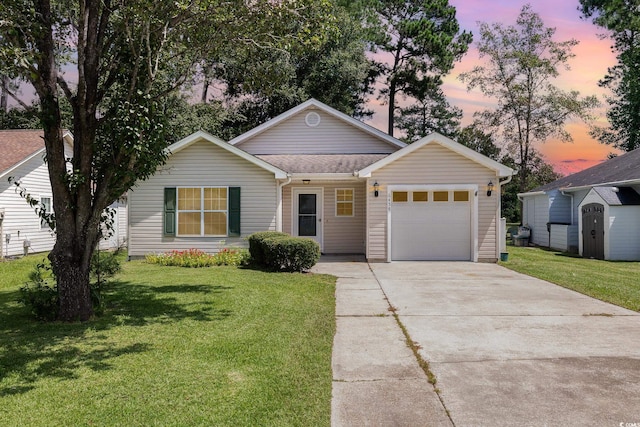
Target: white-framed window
{"x": 202, "y": 211}
{"x": 45, "y": 203}
{"x": 344, "y": 202}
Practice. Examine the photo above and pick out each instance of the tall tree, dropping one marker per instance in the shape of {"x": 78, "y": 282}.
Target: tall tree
{"x": 127, "y": 55}
{"x": 623, "y": 79}
{"x": 423, "y": 40}
{"x": 431, "y": 112}
{"x": 261, "y": 84}
{"x": 520, "y": 63}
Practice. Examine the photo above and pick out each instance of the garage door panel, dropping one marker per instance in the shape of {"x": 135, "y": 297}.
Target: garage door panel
{"x": 431, "y": 231}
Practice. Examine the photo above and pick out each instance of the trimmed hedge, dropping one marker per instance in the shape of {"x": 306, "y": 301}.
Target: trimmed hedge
{"x": 256, "y": 249}
{"x": 281, "y": 252}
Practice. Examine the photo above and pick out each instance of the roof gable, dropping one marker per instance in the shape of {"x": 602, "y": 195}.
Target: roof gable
{"x": 623, "y": 168}
{"x": 436, "y": 138}
{"x": 201, "y": 135}
{"x": 313, "y": 105}
{"x": 618, "y": 196}
{"x": 18, "y": 146}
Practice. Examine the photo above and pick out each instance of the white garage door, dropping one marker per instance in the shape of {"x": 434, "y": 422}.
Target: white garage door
{"x": 431, "y": 225}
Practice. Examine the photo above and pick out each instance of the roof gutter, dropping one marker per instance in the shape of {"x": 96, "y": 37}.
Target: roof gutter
{"x": 603, "y": 184}
{"x": 533, "y": 193}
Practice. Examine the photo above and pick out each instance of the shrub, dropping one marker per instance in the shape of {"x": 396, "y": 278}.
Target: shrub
{"x": 256, "y": 244}
{"x": 196, "y": 258}
{"x": 40, "y": 293}
{"x": 290, "y": 253}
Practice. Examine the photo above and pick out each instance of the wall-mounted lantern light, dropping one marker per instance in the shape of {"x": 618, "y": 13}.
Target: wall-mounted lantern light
{"x": 306, "y": 181}
{"x": 490, "y": 188}
{"x": 376, "y": 186}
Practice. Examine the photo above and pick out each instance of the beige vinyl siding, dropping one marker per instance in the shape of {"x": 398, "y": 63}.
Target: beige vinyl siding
{"x": 433, "y": 164}
{"x": 331, "y": 136}
{"x": 200, "y": 164}
{"x": 342, "y": 235}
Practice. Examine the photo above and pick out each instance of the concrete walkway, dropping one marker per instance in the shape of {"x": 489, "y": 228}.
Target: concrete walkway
{"x": 376, "y": 377}
{"x": 506, "y": 349}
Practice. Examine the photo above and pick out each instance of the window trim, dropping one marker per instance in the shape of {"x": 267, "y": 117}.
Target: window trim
{"x": 202, "y": 211}
{"x": 352, "y": 201}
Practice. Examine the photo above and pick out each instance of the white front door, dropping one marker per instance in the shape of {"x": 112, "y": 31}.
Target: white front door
{"x": 307, "y": 213}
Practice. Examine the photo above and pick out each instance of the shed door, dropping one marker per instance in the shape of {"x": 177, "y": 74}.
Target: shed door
{"x": 593, "y": 231}
{"x": 431, "y": 225}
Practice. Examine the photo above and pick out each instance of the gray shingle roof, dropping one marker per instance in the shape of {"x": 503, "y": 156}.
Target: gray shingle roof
{"x": 625, "y": 167}
{"x": 618, "y": 196}
{"x": 17, "y": 145}
{"x": 321, "y": 163}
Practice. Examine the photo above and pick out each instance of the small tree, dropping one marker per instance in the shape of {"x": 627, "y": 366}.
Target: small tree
{"x": 520, "y": 63}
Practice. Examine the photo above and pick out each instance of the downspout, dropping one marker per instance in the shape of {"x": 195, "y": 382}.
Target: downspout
{"x": 499, "y": 217}
{"x": 570, "y": 195}
{"x": 279, "y": 202}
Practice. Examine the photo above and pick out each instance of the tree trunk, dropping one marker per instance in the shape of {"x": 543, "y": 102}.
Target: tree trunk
{"x": 72, "y": 275}
{"x": 392, "y": 105}
{"x": 4, "y": 83}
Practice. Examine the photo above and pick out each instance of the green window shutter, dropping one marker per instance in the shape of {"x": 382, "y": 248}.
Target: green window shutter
{"x": 169, "y": 211}
{"x": 234, "y": 211}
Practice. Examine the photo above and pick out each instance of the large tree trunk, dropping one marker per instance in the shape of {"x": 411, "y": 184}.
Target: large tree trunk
{"x": 392, "y": 105}
{"x": 72, "y": 275}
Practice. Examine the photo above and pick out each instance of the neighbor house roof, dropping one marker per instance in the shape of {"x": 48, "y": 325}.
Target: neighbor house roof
{"x": 618, "y": 196}
{"x": 623, "y": 168}
{"x": 436, "y": 138}
{"x": 321, "y": 163}
{"x": 315, "y": 104}
{"x": 201, "y": 135}
{"x": 18, "y": 146}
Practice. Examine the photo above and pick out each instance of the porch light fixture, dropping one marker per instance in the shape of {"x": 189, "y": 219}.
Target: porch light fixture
{"x": 306, "y": 181}
{"x": 490, "y": 188}
{"x": 376, "y": 186}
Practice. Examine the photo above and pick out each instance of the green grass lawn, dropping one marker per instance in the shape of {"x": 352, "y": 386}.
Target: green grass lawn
{"x": 215, "y": 346}
{"x": 614, "y": 282}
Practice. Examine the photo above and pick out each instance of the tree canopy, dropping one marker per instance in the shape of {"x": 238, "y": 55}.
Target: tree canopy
{"x": 115, "y": 62}
{"x": 423, "y": 41}
{"x": 520, "y": 63}
{"x": 623, "y": 79}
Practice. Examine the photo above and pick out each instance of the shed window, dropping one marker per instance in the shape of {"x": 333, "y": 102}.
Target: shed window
{"x": 400, "y": 196}
{"x": 440, "y": 196}
{"x": 344, "y": 202}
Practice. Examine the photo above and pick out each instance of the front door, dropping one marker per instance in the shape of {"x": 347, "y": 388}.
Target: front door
{"x": 307, "y": 213}
{"x": 593, "y": 231}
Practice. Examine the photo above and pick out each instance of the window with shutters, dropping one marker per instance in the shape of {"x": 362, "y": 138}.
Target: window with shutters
{"x": 202, "y": 211}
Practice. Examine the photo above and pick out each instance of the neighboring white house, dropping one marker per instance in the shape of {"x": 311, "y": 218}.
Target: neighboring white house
{"x": 316, "y": 172}
{"x": 595, "y": 212}
{"x": 22, "y": 159}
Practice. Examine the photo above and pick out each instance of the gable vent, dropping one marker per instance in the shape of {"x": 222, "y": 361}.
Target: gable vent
{"x": 312, "y": 119}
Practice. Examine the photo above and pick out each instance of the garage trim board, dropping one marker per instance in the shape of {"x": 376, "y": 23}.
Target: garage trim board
{"x": 432, "y": 222}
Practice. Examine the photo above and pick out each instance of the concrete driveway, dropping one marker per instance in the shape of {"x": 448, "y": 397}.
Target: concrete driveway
{"x": 511, "y": 350}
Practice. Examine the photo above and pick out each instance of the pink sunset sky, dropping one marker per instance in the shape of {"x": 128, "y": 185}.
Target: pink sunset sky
{"x": 592, "y": 58}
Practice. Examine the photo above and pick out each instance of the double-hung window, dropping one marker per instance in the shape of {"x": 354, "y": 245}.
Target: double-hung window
{"x": 344, "y": 202}
{"x": 202, "y": 211}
